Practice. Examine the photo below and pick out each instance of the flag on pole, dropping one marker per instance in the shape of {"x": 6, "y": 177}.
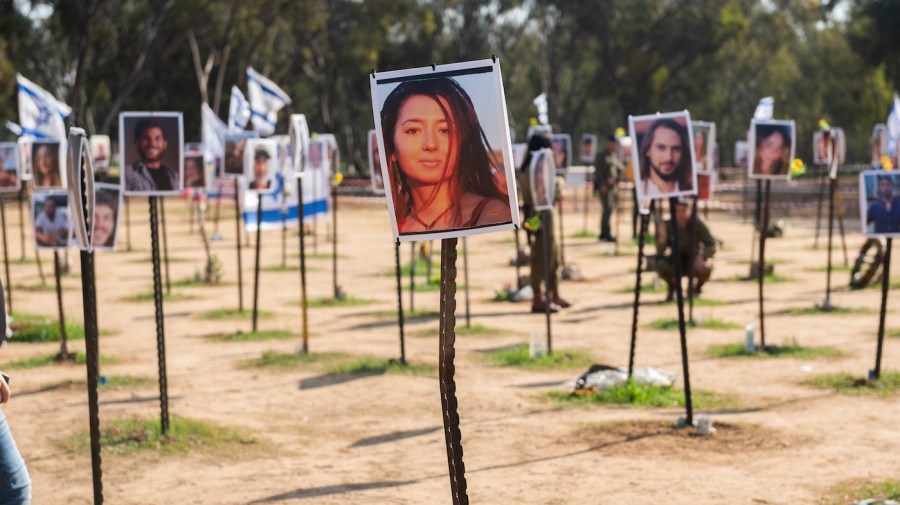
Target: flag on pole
{"x": 212, "y": 133}
{"x": 540, "y": 102}
{"x": 893, "y": 127}
{"x": 41, "y": 115}
{"x": 765, "y": 108}
{"x": 238, "y": 111}
{"x": 266, "y": 99}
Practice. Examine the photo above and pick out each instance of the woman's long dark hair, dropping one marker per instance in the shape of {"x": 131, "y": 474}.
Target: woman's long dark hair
{"x": 474, "y": 161}
{"x": 764, "y": 131}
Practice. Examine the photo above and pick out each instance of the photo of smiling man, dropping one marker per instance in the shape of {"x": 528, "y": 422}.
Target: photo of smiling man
{"x": 151, "y": 146}
{"x": 664, "y": 154}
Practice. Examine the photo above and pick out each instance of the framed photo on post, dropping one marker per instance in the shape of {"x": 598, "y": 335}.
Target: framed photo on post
{"x": 878, "y": 143}
{"x": 235, "y": 147}
{"x": 663, "y": 155}
{"x": 101, "y": 150}
{"x": 879, "y": 203}
{"x": 150, "y": 148}
{"x": 704, "y": 139}
{"x": 261, "y": 165}
{"x": 588, "y": 148}
{"x": 50, "y": 220}
{"x": 10, "y": 182}
{"x": 375, "y": 163}
{"x": 47, "y": 164}
{"x": 771, "y": 149}
{"x": 562, "y": 149}
{"x": 542, "y": 179}
{"x": 446, "y": 151}
{"x": 107, "y": 203}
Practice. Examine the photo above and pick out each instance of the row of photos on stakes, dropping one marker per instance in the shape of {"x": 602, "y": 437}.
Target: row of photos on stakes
{"x": 424, "y": 116}
{"x": 430, "y": 110}
{"x": 150, "y": 143}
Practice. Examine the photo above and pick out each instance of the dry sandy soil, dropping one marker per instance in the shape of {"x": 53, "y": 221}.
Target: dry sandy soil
{"x": 377, "y": 439}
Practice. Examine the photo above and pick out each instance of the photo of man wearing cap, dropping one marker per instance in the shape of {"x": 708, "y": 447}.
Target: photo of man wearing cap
{"x": 260, "y": 169}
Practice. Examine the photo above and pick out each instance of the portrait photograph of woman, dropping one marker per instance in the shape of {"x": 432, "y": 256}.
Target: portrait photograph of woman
{"x": 45, "y": 166}
{"x": 771, "y": 149}
{"x": 446, "y": 153}
{"x": 704, "y": 145}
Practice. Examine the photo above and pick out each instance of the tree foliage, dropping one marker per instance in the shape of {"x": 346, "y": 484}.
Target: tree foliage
{"x": 597, "y": 60}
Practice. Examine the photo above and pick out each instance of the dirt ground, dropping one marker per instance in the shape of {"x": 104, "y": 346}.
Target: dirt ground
{"x": 378, "y": 439}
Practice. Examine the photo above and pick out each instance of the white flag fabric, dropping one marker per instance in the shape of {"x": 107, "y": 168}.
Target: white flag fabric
{"x": 540, "y": 102}
{"x": 41, "y": 115}
{"x": 238, "y": 111}
{"x": 266, "y": 99}
{"x": 893, "y": 127}
{"x": 212, "y": 133}
{"x": 765, "y": 108}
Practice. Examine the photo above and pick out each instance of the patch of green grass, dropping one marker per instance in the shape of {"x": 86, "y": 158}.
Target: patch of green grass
{"x": 892, "y": 333}
{"x": 518, "y": 356}
{"x": 279, "y": 268}
{"x": 415, "y": 314}
{"x": 193, "y": 282}
{"x": 132, "y": 435}
{"x": 648, "y": 239}
{"x": 642, "y": 395}
{"x": 346, "y": 301}
{"x": 769, "y": 279}
{"x": 374, "y": 366}
{"x": 864, "y": 490}
{"x": 818, "y": 309}
{"x": 463, "y": 331}
{"x": 318, "y": 256}
{"x": 835, "y": 267}
{"x": 646, "y": 288}
{"x": 38, "y": 288}
{"x": 421, "y": 268}
{"x": 709, "y": 324}
{"x": 38, "y": 328}
{"x": 274, "y": 359}
{"x": 791, "y": 351}
{"x": 148, "y": 296}
{"x": 149, "y": 259}
{"x": 221, "y": 314}
{"x": 774, "y": 261}
{"x": 50, "y": 359}
{"x": 583, "y": 234}
{"x": 254, "y": 336}
{"x": 843, "y": 383}
{"x": 112, "y": 382}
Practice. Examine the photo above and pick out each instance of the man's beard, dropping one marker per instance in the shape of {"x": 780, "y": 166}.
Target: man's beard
{"x": 666, "y": 177}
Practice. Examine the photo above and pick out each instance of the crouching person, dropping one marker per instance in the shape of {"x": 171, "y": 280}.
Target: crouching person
{"x": 706, "y": 248}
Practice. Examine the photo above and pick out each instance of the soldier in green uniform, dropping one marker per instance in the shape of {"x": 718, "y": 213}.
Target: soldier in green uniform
{"x": 606, "y": 176}
{"x": 538, "y": 304}
{"x": 706, "y": 249}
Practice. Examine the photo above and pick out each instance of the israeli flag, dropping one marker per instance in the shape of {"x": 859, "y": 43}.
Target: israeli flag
{"x": 212, "y": 133}
{"x": 893, "y": 127}
{"x": 765, "y": 108}
{"x": 41, "y": 115}
{"x": 238, "y": 111}
{"x": 540, "y": 102}
{"x": 266, "y": 99}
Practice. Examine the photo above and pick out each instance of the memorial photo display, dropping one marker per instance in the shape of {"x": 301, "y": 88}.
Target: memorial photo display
{"x": 46, "y": 165}
{"x": 562, "y": 149}
{"x": 261, "y": 164}
{"x": 150, "y": 148}
{"x": 375, "y": 163}
{"x": 445, "y": 150}
{"x": 51, "y": 225}
{"x": 771, "y": 149}
{"x": 879, "y": 203}
{"x": 10, "y": 181}
{"x": 663, "y": 155}
{"x": 542, "y": 179}
{"x": 588, "y": 148}
{"x": 704, "y": 138}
